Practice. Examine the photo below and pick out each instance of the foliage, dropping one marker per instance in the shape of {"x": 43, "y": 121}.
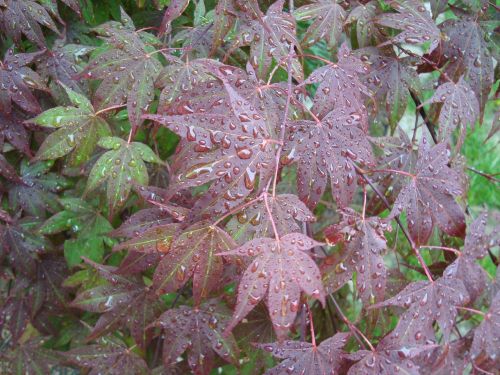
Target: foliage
{"x": 249, "y": 187}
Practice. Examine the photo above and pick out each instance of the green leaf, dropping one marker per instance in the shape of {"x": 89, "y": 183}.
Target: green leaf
{"x": 120, "y": 168}
{"x": 79, "y": 129}
{"x": 92, "y": 248}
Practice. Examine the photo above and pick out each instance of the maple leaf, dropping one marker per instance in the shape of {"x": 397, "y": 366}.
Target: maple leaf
{"x": 340, "y": 86}
{"x": 427, "y": 302}
{"x": 120, "y": 167}
{"x": 384, "y": 360}
{"x": 256, "y": 327}
{"x": 60, "y": 64}
{"x": 363, "y": 255}
{"x": 16, "y": 309}
{"x": 179, "y": 77}
{"x": 415, "y": 22}
{"x": 30, "y": 357}
{"x": 137, "y": 262}
{"x": 244, "y": 150}
{"x": 328, "y": 148}
{"x": 487, "y": 333}
{"x": 193, "y": 253}
{"x": 19, "y": 17}
{"x": 281, "y": 270}
{"x": 154, "y": 239}
{"x": 328, "y": 20}
{"x": 110, "y": 357}
{"x": 466, "y": 34}
{"x": 448, "y": 359}
{"x": 17, "y": 80}
{"x": 465, "y": 267}
{"x": 270, "y": 36}
{"x": 399, "y": 153}
{"x": 305, "y": 358}
{"x": 390, "y": 79}
{"x": 254, "y": 221}
{"x": 196, "y": 41}
{"x": 141, "y": 221}
{"x": 22, "y": 246}
{"x": 199, "y": 331}
{"x": 90, "y": 227}
{"x": 174, "y": 10}
{"x": 35, "y": 194}
{"x": 363, "y": 16}
{"x": 8, "y": 171}
{"x": 51, "y": 272}
{"x": 122, "y": 301}
{"x": 128, "y": 70}
{"x": 428, "y": 197}
{"x": 460, "y": 108}
{"x": 13, "y": 131}
{"x": 224, "y": 19}
{"x": 79, "y": 129}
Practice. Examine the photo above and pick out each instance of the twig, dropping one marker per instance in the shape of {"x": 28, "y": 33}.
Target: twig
{"x": 355, "y": 330}
{"x": 428, "y": 123}
{"x": 490, "y": 177}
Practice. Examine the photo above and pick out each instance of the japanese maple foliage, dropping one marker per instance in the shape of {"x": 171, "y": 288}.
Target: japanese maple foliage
{"x": 247, "y": 186}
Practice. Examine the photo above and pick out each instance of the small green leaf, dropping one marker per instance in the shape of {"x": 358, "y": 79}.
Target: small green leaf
{"x": 121, "y": 167}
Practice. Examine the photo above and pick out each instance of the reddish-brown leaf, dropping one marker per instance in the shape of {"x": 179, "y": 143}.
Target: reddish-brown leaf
{"x": 109, "y": 357}
{"x": 486, "y": 335}
{"x": 280, "y": 271}
{"x": 301, "y": 357}
{"x": 362, "y": 254}
{"x": 328, "y": 148}
{"x": 194, "y": 254}
{"x": 415, "y": 22}
{"x": 340, "y": 86}
{"x": 17, "y": 80}
{"x": 428, "y": 198}
{"x": 328, "y": 19}
{"x": 199, "y": 332}
{"x": 427, "y": 302}
{"x": 460, "y": 108}
{"x": 24, "y": 17}
{"x": 270, "y": 36}
{"x": 232, "y": 148}
{"x": 122, "y": 301}
{"x": 390, "y": 79}
{"x": 465, "y": 267}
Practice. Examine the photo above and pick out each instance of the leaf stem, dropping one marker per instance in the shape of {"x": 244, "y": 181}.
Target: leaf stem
{"x": 355, "y": 330}
{"x": 109, "y": 109}
{"x": 488, "y": 176}
{"x": 237, "y": 209}
{"x": 311, "y": 325}
{"x": 458, "y": 253}
{"x": 271, "y": 219}
{"x": 470, "y": 310}
{"x": 407, "y": 174}
{"x": 285, "y": 116}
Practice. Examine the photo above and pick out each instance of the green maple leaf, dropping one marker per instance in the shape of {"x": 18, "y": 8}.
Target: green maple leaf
{"x": 90, "y": 227}
{"x": 79, "y": 128}
{"x": 120, "y": 168}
